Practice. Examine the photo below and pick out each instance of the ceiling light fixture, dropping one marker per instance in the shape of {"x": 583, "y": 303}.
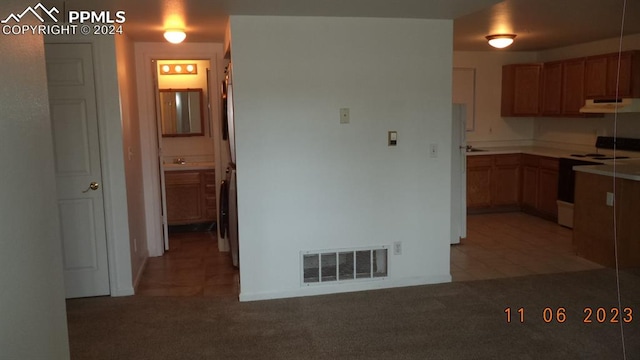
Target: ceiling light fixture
{"x": 174, "y": 36}
{"x": 500, "y": 40}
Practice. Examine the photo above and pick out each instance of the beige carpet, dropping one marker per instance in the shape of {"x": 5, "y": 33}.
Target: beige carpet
{"x": 464, "y": 320}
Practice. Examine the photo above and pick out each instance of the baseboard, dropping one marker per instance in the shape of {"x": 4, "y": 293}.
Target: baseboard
{"x": 345, "y": 288}
{"x": 136, "y": 280}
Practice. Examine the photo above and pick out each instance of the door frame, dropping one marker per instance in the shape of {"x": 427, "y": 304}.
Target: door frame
{"x": 145, "y": 53}
{"x": 111, "y": 157}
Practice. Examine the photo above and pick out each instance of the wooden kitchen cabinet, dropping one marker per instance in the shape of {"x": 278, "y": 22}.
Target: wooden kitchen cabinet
{"x": 540, "y": 185}
{"x": 190, "y": 196}
{"x": 601, "y": 78}
{"x": 552, "y": 89}
{"x": 505, "y": 189}
{"x": 573, "y": 87}
{"x": 493, "y": 181}
{"x": 563, "y": 88}
{"x": 479, "y": 181}
{"x": 521, "y": 89}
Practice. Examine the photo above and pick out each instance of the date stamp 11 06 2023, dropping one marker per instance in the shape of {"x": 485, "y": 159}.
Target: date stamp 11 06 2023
{"x": 599, "y": 315}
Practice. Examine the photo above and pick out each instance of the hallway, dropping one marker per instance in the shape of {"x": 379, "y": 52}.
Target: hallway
{"x": 192, "y": 267}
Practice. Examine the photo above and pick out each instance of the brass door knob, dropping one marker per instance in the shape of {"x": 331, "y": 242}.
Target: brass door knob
{"x": 93, "y": 186}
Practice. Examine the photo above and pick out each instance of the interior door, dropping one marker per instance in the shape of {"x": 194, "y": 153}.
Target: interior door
{"x": 74, "y": 121}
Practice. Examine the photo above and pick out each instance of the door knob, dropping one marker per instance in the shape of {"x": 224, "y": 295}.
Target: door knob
{"x": 93, "y": 186}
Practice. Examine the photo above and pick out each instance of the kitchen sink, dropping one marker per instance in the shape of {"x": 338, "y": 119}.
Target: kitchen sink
{"x": 475, "y": 150}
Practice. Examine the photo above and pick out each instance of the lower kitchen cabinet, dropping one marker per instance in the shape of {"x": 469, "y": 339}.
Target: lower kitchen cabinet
{"x": 190, "y": 196}
{"x": 540, "y": 185}
{"x": 479, "y": 181}
{"x": 512, "y": 182}
{"x": 493, "y": 181}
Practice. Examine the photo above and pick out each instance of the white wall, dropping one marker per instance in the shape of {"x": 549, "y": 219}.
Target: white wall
{"x": 131, "y": 146}
{"x": 305, "y": 181}
{"x": 580, "y": 131}
{"x": 33, "y": 322}
{"x": 490, "y": 126}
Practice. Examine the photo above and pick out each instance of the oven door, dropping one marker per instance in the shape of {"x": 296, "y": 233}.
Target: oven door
{"x": 567, "y": 177}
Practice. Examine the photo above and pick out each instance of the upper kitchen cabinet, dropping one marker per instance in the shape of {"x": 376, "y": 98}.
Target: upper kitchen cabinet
{"x": 563, "y": 88}
{"x": 552, "y": 88}
{"x": 601, "y": 78}
{"x": 521, "y": 85}
{"x": 573, "y": 87}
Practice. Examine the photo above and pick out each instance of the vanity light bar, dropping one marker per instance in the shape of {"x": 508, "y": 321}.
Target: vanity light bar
{"x": 179, "y": 69}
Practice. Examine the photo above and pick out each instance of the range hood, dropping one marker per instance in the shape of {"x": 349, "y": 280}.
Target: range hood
{"x": 608, "y": 106}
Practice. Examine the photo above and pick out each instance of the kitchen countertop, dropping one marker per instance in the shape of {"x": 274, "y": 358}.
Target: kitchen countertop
{"x": 532, "y": 150}
{"x": 626, "y": 169}
{"x": 188, "y": 166}
{"x": 549, "y": 151}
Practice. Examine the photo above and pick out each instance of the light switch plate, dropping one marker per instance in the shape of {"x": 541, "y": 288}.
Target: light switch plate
{"x": 392, "y": 138}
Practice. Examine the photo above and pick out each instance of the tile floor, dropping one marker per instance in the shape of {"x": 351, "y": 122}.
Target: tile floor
{"x": 498, "y": 245}
{"x": 193, "y": 266}
{"x": 514, "y": 244}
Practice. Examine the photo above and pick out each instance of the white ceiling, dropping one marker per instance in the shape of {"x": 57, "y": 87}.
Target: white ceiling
{"x": 539, "y": 24}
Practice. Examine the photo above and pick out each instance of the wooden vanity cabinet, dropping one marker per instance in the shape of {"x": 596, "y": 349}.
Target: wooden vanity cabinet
{"x": 190, "y": 196}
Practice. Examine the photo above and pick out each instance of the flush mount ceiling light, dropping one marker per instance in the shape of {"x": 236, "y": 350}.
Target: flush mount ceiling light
{"x": 500, "y": 40}
{"x": 174, "y": 36}
{"x": 179, "y": 69}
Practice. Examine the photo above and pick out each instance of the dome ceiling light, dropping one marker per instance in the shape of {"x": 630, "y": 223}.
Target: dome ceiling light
{"x": 500, "y": 41}
{"x": 175, "y": 36}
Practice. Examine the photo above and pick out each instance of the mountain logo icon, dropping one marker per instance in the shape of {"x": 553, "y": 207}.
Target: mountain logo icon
{"x": 35, "y": 12}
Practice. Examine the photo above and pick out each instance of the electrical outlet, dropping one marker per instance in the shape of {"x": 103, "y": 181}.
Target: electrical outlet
{"x": 344, "y": 116}
{"x": 397, "y": 248}
{"x": 433, "y": 150}
{"x": 610, "y": 199}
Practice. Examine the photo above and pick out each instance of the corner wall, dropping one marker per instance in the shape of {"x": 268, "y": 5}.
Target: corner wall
{"x": 307, "y": 182}
{"x": 489, "y": 125}
{"x": 125, "y": 58}
{"x": 33, "y": 319}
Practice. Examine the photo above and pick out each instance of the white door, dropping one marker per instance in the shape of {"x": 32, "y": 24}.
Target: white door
{"x": 74, "y": 123}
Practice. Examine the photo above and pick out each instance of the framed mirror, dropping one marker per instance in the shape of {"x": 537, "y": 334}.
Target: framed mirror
{"x": 181, "y": 112}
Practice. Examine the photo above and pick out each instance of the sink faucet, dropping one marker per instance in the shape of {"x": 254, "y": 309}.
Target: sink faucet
{"x": 180, "y": 161}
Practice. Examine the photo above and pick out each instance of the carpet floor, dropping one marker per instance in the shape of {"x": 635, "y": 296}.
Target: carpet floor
{"x": 462, "y": 320}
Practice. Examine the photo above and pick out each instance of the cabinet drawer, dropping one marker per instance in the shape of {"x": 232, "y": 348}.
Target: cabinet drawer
{"x": 549, "y": 163}
{"x": 182, "y": 178}
{"x": 507, "y": 159}
{"x": 210, "y": 213}
{"x": 479, "y": 161}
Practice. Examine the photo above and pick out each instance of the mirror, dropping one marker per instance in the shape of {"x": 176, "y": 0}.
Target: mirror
{"x": 181, "y": 112}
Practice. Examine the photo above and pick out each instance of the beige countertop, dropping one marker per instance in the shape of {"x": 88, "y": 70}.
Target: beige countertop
{"x": 532, "y": 150}
{"x": 545, "y": 151}
{"x": 188, "y": 166}
{"x": 624, "y": 169}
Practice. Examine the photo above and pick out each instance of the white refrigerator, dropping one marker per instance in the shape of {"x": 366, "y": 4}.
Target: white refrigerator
{"x": 458, "y": 174}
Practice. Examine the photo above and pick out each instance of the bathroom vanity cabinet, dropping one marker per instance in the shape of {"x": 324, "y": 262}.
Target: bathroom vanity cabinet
{"x": 191, "y": 196}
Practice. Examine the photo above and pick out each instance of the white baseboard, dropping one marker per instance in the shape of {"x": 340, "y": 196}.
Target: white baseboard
{"x": 344, "y": 288}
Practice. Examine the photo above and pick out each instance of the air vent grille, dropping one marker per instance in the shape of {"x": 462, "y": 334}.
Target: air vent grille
{"x": 331, "y": 266}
